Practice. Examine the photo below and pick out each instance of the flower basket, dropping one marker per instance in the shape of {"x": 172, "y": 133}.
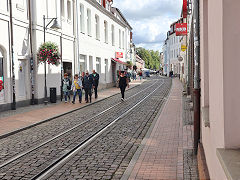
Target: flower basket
{"x": 48, "y": 52}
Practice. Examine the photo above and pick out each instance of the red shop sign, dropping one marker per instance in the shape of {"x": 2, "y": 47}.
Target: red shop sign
{"x": 119, "y": 55}
{"x": 185, "y": 9}
{"x": 181, "y": 29}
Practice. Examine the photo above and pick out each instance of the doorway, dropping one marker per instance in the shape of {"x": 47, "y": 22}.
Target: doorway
{"x": 22, "y": 79}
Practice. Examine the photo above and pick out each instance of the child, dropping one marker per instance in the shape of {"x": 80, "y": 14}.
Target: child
{"x": 77, "y": 88}
{"x": 66, "y": 86}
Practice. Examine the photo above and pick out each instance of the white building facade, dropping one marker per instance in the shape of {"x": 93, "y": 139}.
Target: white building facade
{"x": 91, "y": 34}
{"x": 102, "y": 32}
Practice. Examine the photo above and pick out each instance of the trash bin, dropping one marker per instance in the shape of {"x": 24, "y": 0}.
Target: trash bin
{"x": 53, "y": 95}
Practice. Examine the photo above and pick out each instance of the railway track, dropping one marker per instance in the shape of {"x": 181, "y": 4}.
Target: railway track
{"x": 38, "y": 161}
{"x": 10, "y": 147}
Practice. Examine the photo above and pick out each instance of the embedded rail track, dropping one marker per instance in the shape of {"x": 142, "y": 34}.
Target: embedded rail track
{"x": 41, "y": 160}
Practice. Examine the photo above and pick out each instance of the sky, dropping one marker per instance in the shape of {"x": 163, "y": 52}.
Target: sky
{"x": 150, "y": 19}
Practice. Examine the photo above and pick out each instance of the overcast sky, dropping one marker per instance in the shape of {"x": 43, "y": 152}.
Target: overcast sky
{"x": 150, "y": 19}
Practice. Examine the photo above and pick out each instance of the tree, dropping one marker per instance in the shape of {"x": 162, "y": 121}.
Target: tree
{"x": 151, "y": 58}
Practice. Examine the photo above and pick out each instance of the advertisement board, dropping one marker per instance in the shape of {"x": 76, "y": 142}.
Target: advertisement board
{"x": 119, "y": 55}
{"x": 181, "y": 29}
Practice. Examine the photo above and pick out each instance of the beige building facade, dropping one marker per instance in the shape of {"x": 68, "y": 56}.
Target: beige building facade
{"x": 220, "y": 87}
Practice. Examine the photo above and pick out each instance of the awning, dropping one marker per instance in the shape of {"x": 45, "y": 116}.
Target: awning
{"x": 118, "y": 61}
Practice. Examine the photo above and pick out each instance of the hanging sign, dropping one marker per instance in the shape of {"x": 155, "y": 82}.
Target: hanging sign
{"x": 181, "y": 29}
{"x": 119, "y": 55}
{"x": 183, "y": 47}
{"x": 185, "y": 9}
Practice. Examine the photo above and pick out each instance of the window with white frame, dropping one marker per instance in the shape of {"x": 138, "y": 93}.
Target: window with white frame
{"x": 3, "y": 5}
{"x": 98, "y": 65}
{"x": 69, "y": 9}
{"x": 106, "y": 31}
{"x": 97, "y": 27}
{"x": 120, "y": 41}
{"x": 82, "y": 25}
{"x": 113, "y": 35}
{"x": 62, "y": 8}
{"x": 89, "y": 21}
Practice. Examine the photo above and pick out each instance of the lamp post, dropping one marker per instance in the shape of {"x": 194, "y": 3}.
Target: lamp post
{"x": 54, "y": 26}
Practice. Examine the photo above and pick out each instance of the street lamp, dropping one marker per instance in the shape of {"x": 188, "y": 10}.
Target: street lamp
{"x": 55, "y": 26}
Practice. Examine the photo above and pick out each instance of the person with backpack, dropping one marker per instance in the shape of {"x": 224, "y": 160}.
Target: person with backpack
{"x": 77, "y": 88}
{"x": 123, "y": 83}
{"x": 66, "y": 87}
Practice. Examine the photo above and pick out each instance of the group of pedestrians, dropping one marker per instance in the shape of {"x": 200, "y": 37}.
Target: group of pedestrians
{"x": 87, "y": 82}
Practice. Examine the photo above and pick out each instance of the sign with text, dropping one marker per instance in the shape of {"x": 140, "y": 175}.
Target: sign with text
{"x": 119, "y": 55}
{"x": 183, "y": 47}
{"x": 181, "y": 29}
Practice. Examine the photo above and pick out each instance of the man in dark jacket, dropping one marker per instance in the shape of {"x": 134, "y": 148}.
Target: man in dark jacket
{"x": 95, "y": 82}
{"x": 88, "y": 84}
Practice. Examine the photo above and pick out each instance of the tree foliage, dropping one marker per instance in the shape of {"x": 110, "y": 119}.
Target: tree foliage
{"x": 151, "y": 58}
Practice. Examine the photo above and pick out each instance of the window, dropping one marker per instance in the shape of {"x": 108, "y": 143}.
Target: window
{"x": 113, "y": 35}
{"x": 120, "y": 39}
{"x": 97, "y": 27}
{"x": 4, "y": 5}
{"x": 123, "y": 40}
{"x": 98, "y": 65}
{"x": 106, "y": 31}
{"x": 62, "y": 8}
{"x": 69, "y": 10}
{"x": 89, "y": 28}
{"x": 90, "y": 63}
{"x": 82, "y": 28}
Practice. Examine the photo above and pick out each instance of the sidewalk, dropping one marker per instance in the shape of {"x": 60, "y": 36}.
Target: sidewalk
{"x": 26, "y": 116}
{"x": 164, "y": 152}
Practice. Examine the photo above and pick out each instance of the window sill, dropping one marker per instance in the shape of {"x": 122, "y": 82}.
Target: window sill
{"x": 230, "y": 161}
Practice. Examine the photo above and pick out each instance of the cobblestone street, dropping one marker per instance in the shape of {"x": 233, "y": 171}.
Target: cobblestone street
{"x": 141, "y": 138}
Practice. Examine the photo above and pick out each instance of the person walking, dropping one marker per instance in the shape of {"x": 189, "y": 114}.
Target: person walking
{"x": 66, "y": 87}
{"x": 140, "y": 74}
{"x": 88, "y": 84}
{"x": 123, "y": 83}
{"x": 134, "y": 75}
{"x": 77, "y": 88}
{"x": 95, "y": 76}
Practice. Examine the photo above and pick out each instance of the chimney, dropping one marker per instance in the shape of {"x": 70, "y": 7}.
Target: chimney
{"x": 131, "y": 34}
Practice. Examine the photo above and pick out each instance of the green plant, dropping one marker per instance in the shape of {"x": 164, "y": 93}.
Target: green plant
{"x": 48, "y": 52}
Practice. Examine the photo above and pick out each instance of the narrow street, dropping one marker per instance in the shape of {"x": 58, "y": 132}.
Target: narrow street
{"x": 140, "y": 138}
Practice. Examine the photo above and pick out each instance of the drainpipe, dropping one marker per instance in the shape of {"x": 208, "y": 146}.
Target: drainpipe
{"x": 13, "y": 105}
{"x": 31, "y": 52}
{"x": 196, "y": 89}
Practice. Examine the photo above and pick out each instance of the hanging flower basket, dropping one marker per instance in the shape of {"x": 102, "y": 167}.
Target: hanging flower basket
{"x": 48, "y": 52}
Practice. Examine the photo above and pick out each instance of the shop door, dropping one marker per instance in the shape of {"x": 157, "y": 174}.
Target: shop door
{"x": 114, "y": 73}
{"x": 22, "y": 80}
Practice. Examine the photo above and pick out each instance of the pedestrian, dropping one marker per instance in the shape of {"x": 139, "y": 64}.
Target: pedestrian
{"x": 123, "y": 83}
{"x": 134, "y": 75}
{"x": 95, "y": 76}
{"x": 140, "y": 74}
{"x": 88, "y": 84}
{"x": 66, "y": 87}
{"x": 77, "y": 88}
